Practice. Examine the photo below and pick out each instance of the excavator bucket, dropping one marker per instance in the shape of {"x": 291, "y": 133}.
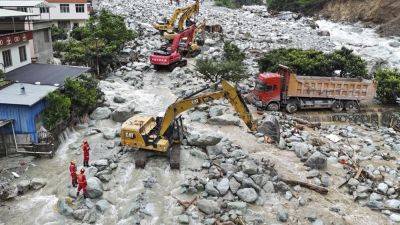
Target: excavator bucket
{"x": 270, "y": 127}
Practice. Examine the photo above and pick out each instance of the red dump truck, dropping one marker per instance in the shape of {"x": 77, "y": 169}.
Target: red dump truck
{"x": 285, "y": 89}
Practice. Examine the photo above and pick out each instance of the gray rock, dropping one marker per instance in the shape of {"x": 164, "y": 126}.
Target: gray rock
{"x": 119, "y": 99}
{"x": 227, "y": 119}
{"x": 269, "y": 187}
{"x": 223, "y": 186}
{"x": 249, "y": 167}
{"x": 113, "y": 166}
{"x": 122, "y": 113}
{"x": 383, "y": 187}
{"x": 234, "y": 185}
{"x": 282, "y": 215}
{"x": 208, "y": 206}
{"x": 353, "y": 182}
{"x": 149, "y": 182}
{"x": 288, "y": 195}
{"x": 94, "y": 187}
{"x": 312, "y": 174}
{"x": 269, "y": 126}
{"x": 198, "y": 153}
{"x": 247, "y": 194}
{"x": 392, "y": 203}
{"x": 37, "y": 183}
{"x": 375, "y": 197}
{"x": 101, "y": 113}
{"x": 394, "y": 44}
{"x": 325, "y": 180}
{"x": 203, "y": 138}
{"x": 318, "y": 222}
{"x": 301, "y": 149}
{"x": 210, "y": 189}
{"x": 395, "y": 217}
{"x": 63, "y": 207}
{"x": 209, "y": 221}
{"x": 23, "y": 186}
{"x": 183, "y": 219}
{"x": 217, "y": 110}
{"x": 100, "y": 164}
{"x": 317, "y": 161}
{"x": 79, "y": 214}
{"x": 91, "y": 216}
{"x": 7, "y": 191}
{"x": 102, "y": 205}
{"x": 241, "y": 206}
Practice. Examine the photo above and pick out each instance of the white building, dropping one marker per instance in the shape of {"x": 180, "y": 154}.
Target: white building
{"x": 63, "y": 13}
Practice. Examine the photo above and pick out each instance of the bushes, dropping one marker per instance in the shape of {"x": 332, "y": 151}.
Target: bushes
{"x": 58, "y": 33}
{"x": 58, "y": 109}
{"x": 79, "y": 96}
{"x": 1, "y": 75}
{"x": 388, "y": 89}
{"x": 304, "y": 6}
{"x": 237, "y": 3}
{"x": 315, "y": 63}
{"x": 231, "y": 68}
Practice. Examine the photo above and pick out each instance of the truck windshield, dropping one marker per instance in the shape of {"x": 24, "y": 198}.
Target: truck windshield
{"x": 263, "y": 87}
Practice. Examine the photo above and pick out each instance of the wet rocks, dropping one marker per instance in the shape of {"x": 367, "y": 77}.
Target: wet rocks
{"x": 248, "y": 195}
{"x": 119, "y": 99}
{"x": 101, "y": 113}
{"x": 64, "y": 207}
{"x": 23, "y": 186}
{"x": 208, "y": 206}
{"x": 316, "y": 161}
{"x": 122, "y": 113}
{"x": 37, "y": 183}
{"x": 94, "y": 187}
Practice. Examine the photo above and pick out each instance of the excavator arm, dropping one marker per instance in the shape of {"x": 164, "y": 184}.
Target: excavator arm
{"x": 193, "y": 9}
{"x": 228, "y": 91}
{"x": 171, "y": 21}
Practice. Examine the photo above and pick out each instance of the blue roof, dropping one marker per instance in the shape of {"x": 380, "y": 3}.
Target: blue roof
{"x": 13, "y": 95}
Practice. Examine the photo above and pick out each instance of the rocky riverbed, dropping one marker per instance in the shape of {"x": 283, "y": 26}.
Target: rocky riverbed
{"x": 228, "y": 175}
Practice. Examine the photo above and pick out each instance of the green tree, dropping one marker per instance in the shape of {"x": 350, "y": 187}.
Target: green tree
{"x": 237, "y": 3}
{"x": 58, "y": 33}
{"x": 388, "y": 89}
{"x": 83, "y": 93}
{"x": 303, "y": 6}
{"x": 315, "y": 63}
{"x": 99, "y": 41}
{"x": 57, "y": 110}
{"x": 232, "y": 52}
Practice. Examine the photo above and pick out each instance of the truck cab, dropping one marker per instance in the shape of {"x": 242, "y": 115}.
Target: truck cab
{"x": 267, "y": 91}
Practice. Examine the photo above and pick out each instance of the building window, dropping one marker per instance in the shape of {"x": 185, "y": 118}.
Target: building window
{"x": 22, "y": 53}
{"x": 64, "y": 8}
{"x": 46, "y": 35}
{"x": 80, "y": 8}
{"x": 44, "y": 9}
{"x": 64, "y": 24}
{"x": 22, "y": 9}
{"x": 7, "y": 58}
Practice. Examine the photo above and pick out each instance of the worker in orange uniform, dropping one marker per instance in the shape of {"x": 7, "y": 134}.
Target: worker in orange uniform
{"x": 85, "y": 149}
{"x": 82, "y": 183}
{"x": 72, "y": 171}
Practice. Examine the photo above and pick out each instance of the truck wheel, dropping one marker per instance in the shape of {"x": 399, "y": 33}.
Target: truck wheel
{"x": 351, "y": 106}
{"x": 337, "y": 106}
{"x": 273, "y": 106}
{"x": 292, "y": 107}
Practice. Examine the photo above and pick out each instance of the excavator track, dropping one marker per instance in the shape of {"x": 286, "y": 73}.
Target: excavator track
{"x": 174, "y": 156}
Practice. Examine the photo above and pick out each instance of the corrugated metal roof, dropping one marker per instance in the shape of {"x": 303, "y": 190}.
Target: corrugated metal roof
{"x": 46, "y": 74}
{"x": 12, "y": 13}
{"x": 12, "y": 94}
{"x": 4, "y": 122}
{"x": 20, "y": 3}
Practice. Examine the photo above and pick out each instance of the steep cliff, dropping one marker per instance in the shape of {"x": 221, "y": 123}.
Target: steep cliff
{"x": 385, "y": 13}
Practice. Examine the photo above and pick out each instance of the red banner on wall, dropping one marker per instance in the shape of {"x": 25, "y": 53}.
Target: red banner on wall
{"x": 15, "y": 38}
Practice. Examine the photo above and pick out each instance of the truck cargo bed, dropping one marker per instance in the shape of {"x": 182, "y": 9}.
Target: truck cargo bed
{"x": 331, "y": 87}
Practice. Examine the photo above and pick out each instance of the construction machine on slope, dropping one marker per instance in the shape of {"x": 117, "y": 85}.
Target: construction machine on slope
{"x": 184, "y": 21}
{"x": 162, "y": 135}
{"x": 168, "y": 24}
{"x": 171, "y": 55}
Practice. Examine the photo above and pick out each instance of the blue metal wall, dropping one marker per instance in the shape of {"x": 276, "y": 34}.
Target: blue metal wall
{"x": 23, "y": 116}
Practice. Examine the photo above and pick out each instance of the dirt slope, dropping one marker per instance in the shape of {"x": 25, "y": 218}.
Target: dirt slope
{"x": 386, "y": 13}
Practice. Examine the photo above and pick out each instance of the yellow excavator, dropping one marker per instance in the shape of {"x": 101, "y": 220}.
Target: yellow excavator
{"x": 162, "y": 135}
{"x": 168, "y": 24}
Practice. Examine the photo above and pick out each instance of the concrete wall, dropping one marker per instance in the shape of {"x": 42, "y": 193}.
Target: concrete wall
{"x": 15, "y": 56}
{"x": 43, "y": 49}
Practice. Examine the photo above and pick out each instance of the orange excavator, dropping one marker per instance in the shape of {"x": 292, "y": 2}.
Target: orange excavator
{"x": 171, "y": 55}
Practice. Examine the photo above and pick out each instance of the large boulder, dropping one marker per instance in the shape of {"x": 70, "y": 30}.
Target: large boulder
{"x": 317, "y": 161}
{"x": 102, "y": 205}
{"x": 79, "y": 214}
{"x": 94, "y": 187}
{"x": 91, "y": 216}
{"x": 63, "y": 206}
{"x": 208, "y": 206}
{"x": 247, "y": 194}
{"x": 7, "y": 191}
{"x": 23, "y": 186}
{"x": 270, "y": 127}
{"x": 227, "y": 119}
{"x": 100, "y": 164}
{"x": 100, "y": 113}
{"x": 37, "y": 183}
{"x": 122, "y": 113}
{"x": 203, "y": 138}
